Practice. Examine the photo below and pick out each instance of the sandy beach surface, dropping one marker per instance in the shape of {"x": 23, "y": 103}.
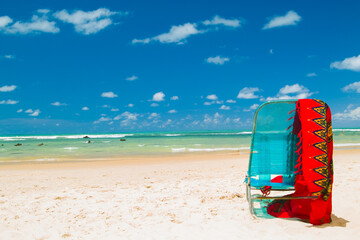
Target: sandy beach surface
{"x": 180, "y": 196}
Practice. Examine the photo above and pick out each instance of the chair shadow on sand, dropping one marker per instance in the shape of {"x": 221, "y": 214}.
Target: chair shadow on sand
{"x": 335, "y": 222}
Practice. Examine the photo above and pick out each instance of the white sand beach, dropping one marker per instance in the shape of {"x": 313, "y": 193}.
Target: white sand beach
{"x": 184, "y": 196}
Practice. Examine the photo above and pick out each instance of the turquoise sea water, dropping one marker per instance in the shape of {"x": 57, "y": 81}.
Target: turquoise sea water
{"x": 102, "y": 146}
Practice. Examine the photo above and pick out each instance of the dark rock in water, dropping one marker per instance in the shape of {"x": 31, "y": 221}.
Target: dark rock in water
{"x": 86, "y": 137}
{"x": 122, "y": 139}
{"x": 89, "y": 141}
{"x": 41, "y": 144}
{"x": 18, "y": 144}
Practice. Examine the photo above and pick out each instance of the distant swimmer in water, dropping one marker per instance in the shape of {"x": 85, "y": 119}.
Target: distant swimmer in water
{"x": 18, "y": 144}
{"x": 89, "y": 141}
{"x": 41, "y": 144}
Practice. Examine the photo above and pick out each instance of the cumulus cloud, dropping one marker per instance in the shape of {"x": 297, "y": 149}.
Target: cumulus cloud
{"x": 295, "y": 91}
{"x": 176, "y": 34}
{"x": 130, "y": 105}
{"x": 85, "y": 109}
{"x": 215, "y": 119}
{"x": 103, "y": 119}
{"x": 252, "y": 107}
{"x": 212, "y": 97}
{"x": 89, "y": 22}
{"x": 29, "y": 111}
{"x": 217, "y": 20}
{"x": 4, "y": 21}
{"x": 39, "y": 23}
{"x": 154, "y": 115}
{"x": 9, "y": 101}
{"x": 158, "y": 97}
{"x": 172, "y": 111}
{"x": 7, "y": 88}
{"x": 127, "y": 118}
{"x": 174, "y": 98}
{"x": 9, "y": 56}
{"x": 19, "y": 111}
{"x": 290, "y": 18}
{"x": 132, "y": 78}
{"x": 351, "y": 63}
{"x": 217, "y": 60}
{"x": 154, "y": 105}
{"x": 350, "y": 113}
{"x": 311, "y": 75}
{"x": 114, "y": 109}
{"x": 248, "y": 93}
{"x": 58, "y": 104}
{"x": 352, "y": 87}
{"x": 179, "y": 33}
{"x": 35, "y": 113}
{"x": 230, "y": 101}
{"x": 224, "y": 107}
{"x": 109, "y": 95}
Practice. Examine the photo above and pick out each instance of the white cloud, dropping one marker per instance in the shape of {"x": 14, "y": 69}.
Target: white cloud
{"x": 127, "y": 118}
{"x": 252, "y": 107}
{"x": 212, "y": 119}
{"x": 158, "y": 97}
{"x": 109, "y": 95}
{"x": 130, "y": 105}
{"x": 9, "y": 56}
{"x": 212, "y": 97}
{"x": 352, "y": 87}
{"x": 132, "y": 78}
{"x": 154, "y": 115}
{"x": 311, "y": 75}
{"x": 19, "y": 111}
{"x": 290, "y": 18}
{"x": 174, "y": 98}
{"x": 7, "y": 88}
{"x": 217, "y": 20}
{"x": 87, "y": 22}
{"x": 114, "y": 110}
{"x": 248, "y": 93}
{"x": 207, "y": 103}
{"x": 224, "y": 107}
{"x": 230, "y": 101}
{"x": 172, "y": 111}
{"x": 177, "y": 34}
{"x": 4, "y": 21}
{"x": 143, "y": 41}
{"x": 351, "y": 63}
{"x": 295, "y": 91}
{"x": 38, "y": 23}
{"x": 9, "y": 101}
{"x": 103, "y": 119}
{"x": 29, "y": 111}
{"x": 217, "y": 60}
{"x": 349, "y": 114}
{"x": 58, "y": 104}
{"x": 154, "y": 105}
{"x": 35, "y": 113}
{"x": 85, "y": 109}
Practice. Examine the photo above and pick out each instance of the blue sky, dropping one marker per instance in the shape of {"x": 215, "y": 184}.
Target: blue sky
{"x": 112, "y": 66}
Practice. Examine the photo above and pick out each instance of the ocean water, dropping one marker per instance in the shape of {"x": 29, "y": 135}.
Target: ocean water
{"x": 102, "y": 146}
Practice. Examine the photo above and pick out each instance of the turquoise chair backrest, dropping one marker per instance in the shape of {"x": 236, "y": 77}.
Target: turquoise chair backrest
{"x": 273, "y": 145}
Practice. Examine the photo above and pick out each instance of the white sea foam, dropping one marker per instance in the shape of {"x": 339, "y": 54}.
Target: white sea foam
{"x": 178, "y": 149}
{"x": 71, "y": 148}
{"x": 19, "y": 138}
{"x": 207, "y": 149}
{"x": 216, "y": 149}
{"x": 173, "y": 135}
{"x": 44, "y": 160}
{"x": 140, "y": 145}
{"x": 346, "y": 130}
{"x": 346, "y": 144}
